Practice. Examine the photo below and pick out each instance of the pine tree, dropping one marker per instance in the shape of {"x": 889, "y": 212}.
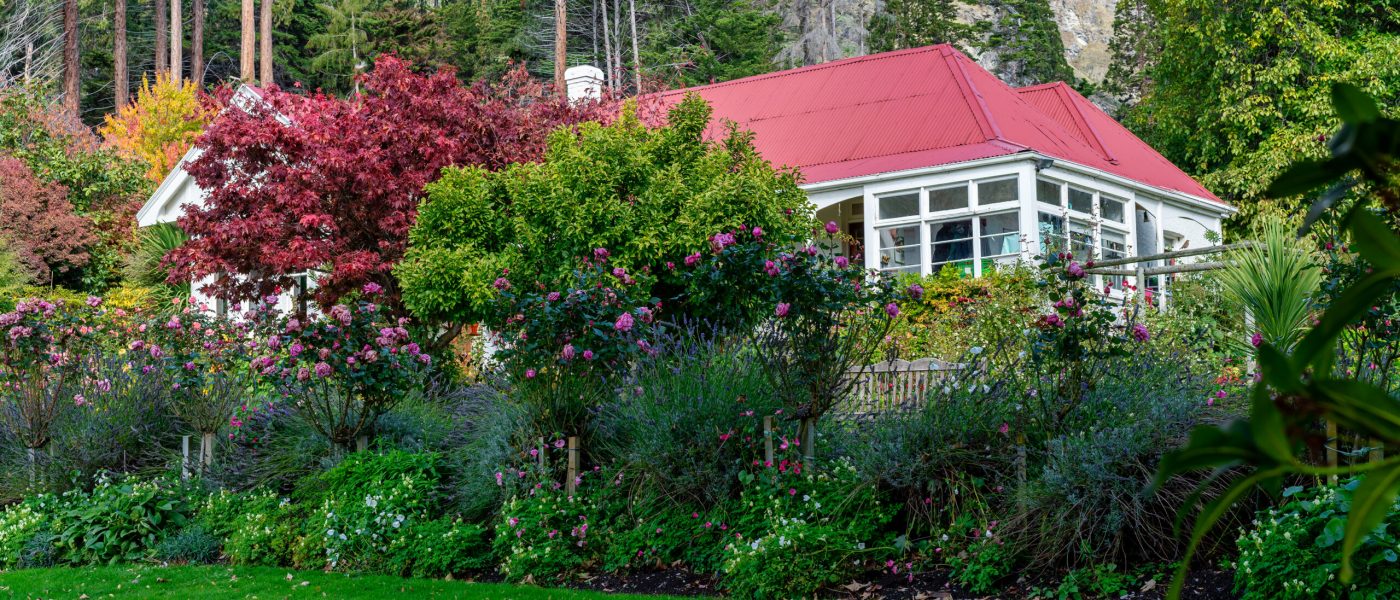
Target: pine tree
{"x": 914, "y": 23}
{"x": 1134, "y": 49}
{"x": 1025, "y": 40}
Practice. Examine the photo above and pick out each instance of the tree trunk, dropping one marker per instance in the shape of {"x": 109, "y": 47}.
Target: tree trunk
{"x": 70, "y": 57}
{"x": 177, "y": 42}
{"x": 607, "y": 49}
{"x": 561, "y": 44}
{"x": 636, "y": 56}
{"x": 265, "y": 49}
{"x": 617, "y": 42}
{"x": 245, "y": 48}
{"x": 197, "y": 45}
{"x": 120, "y": 78}
{"x": 162, "y": 53}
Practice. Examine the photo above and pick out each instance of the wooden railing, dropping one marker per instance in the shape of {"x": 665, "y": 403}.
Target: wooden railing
{"x": 892, "y": 386}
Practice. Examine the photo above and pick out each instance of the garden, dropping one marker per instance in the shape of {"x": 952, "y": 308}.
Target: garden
{"x": 672, "y": 391}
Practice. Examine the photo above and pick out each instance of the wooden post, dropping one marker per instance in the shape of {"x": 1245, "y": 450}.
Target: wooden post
{"x": 1377, "y": 451}
{"x": 1332, "y": 449}
{"x": 572, "y": 474}
{"x": 1021, "y": 457}
{"x": 361, "y": 443}
{"x": 540, "y": 447}
{"x": 185, "y": 457}
{"x": 206, "y": 451}
{"x": 768, "y": 441}
{"x": 809, "y": 440}
{"x": 33, "y": 465}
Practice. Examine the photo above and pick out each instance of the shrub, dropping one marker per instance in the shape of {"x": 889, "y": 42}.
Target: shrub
{"x": 799, "y": 530}
{"x": 490, "y": 422}
{"x": 693, "y": 419}
{"x": 265, "y": 531}
{"x": 20, "y": 523}
{"x": 439, "y": 548}
{"x": 547, "y": 535}
{"x": 1292, "y": 551}
{"x": 957, "y": 313}
{"x": 118, "y": 520}
{"x": 39, "y": 551}
{"x": 191, "y": 545}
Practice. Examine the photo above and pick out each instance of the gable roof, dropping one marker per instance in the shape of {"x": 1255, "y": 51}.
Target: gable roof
{"x": 923, "y": 107}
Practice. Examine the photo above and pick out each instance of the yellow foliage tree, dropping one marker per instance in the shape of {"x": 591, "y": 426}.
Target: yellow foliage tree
{"x": 160, "y": 126}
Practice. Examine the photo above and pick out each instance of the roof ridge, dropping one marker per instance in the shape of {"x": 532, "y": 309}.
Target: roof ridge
{"x": 981, "y": 112}
{"x": 807, "y": 69}
{"x": 1068, "y": 93}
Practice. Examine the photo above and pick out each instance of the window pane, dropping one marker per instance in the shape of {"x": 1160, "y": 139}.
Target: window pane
{"x": 903, "y": 205}
{"x": 949, "y": 198}
{"x": 1114, "y": 246}
{"x": 1001, "y": 234}
{"x": 952, "y": 240}
{"x": 1081, "y": 201}
{"x": 1111, "y": 209}
{"x": 1081, "y": 240}
{"x": 1052, "y": 233}
{"x": 992, "y": 192}
{"x": 899, "y": 248}
{"x": 1047, "y": 192}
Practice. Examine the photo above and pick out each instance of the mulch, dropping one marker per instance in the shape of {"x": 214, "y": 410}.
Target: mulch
{"x": 935, "y": 585}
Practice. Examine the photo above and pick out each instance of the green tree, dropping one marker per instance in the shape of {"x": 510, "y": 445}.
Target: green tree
{"x": 1026, "y": 42}
{"x": 1241, "y": 88}
{"x": 715, "y": 40}
{"x": 343, "y": 46}
{"x": 914, "y": 23}
{"x": 1133, "y": 49}
{"x": 646, "y": 195}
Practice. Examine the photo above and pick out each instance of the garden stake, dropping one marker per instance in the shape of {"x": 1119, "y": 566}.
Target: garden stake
{"x": 539, "y": 445}
{"x": 185, "y": 457}
{"x": 206, "y": 451}
{"x": 571, "y": 484}
{"x": 1332, "y": 449}
{"x": 768, "y": 441}
{"x": 361, "y": 443}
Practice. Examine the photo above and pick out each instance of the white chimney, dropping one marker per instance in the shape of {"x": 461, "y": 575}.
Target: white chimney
{"x": 584, "y": 82}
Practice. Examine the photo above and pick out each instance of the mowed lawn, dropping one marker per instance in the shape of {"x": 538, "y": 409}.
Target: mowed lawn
{"x": 263, "y": 583}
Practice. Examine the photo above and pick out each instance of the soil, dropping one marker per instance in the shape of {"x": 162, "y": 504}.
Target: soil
{"x": 1200, "y": 585}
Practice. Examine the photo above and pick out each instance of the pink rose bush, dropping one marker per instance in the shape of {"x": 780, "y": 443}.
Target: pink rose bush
{"x": 342, "y": 369}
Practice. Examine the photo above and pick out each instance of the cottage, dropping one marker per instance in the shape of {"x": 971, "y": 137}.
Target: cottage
{"x": 931, "y": 162}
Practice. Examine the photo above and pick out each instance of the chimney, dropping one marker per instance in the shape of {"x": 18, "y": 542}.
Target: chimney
{"x": 585, "y": 82}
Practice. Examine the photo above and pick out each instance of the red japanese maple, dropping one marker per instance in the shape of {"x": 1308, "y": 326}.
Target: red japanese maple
{"x": 39, "y": 225}
{"x": 314, "y": 182}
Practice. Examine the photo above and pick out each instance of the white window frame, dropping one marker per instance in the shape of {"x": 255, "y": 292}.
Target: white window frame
{"x": 927, "y": 218}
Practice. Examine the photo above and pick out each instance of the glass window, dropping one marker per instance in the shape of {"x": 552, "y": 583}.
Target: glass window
{"x": 1114, "y": 246}
{"x": 899, "y": 248}
{"x": 1111, "y": 208}
{"x": 1081, "y": 239}
{"x": 952, "y": 241}
{"x": 994, "y": 192}
{"x": 949, "y": 198}
{"x": 1047, "y": 192}
{"x": 1052, "y": 233}
{"x": 1081, "y": 201}
{"x": 1001, "y": 234}
{"x": 902, "y": 205}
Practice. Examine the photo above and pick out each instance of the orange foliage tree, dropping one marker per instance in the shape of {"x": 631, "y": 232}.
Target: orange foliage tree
{"x": 161, "y": 125}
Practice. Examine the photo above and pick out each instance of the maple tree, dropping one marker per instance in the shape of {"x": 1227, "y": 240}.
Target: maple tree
{"x": 47, "y": 238}
{"x": 161, "y": 125}
{"x": 317, "y": 183}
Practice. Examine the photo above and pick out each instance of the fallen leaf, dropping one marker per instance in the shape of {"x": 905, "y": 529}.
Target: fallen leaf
{"x": 1150, "y": 585}
{"x": 83, "y": 597}
{"x": 856, "y": 586}
{"x": 289, "y": 576}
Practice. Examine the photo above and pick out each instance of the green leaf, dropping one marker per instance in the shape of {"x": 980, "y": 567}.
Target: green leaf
{"x": 1266, "y": 423}
{"x": 1331, "y": 533}
{"x": 1360, "y": 406}
{"x": 1306, "y": 176}
{"x": 1352, "y": 302}
{"x": 1354, "y": 105}
{"x": 1291, "y": 490}
{"x": 1277, "y": 369}
{"x": 1374, "y": 240}
{"x": 1369, "y": 506}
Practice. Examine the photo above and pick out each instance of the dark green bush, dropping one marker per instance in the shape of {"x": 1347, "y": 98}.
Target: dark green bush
{"x": 191, "y": 545}
{"x": 39, "y": 551}
{"x": 1293, "y": 551}
{"x": 119, "y": 521}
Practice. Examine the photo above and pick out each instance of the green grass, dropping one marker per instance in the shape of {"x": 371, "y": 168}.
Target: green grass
{"x": 147, "y": 581}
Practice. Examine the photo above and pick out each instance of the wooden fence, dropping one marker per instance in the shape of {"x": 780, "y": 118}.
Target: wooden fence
{"x": 894, "y": 385}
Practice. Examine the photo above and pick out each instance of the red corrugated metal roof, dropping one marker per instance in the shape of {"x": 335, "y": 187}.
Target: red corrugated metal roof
{"x": 922, "y": 107}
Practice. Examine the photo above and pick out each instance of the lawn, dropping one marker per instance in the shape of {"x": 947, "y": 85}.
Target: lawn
{"x": 259, "y": 582}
